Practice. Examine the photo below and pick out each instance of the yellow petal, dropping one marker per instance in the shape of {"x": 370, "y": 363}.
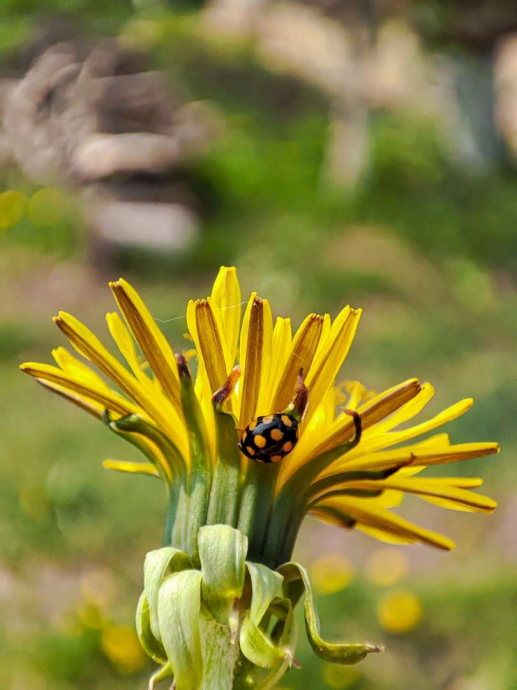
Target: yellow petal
{"x": 255, "y": 356}
{"x": 392, "y": 438}
{"x": 155, "y": 405}
{"x": 124, "y": 342}
{"x": 406, "y": 412}
{"x": 281, "y": 348}
{"x": 100, "y": 396}
{"x": 152, "y": 342}
{"x": 226, "y": 293}
{"x": 331, "y": 356}
{"x": 357, "y": 393}
{"x": 381, "y": 523}
{"x": 456, "y": 453}
{"x": 93, "y": 408}
{"x": 459, "y": 482}
{"x": 302, "y": 352}
{"x": 203, "y": 319}
{"x": 131, "y": 467}
{"x": 433, "y": 451}
{"x": 441, "y": 493}
{"x": 377, "y": 409}
{"x": 78, "y": 369}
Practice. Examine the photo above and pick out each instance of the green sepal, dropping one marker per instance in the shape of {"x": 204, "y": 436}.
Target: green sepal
{"x": 157, "y": 565}
{"x": 151, "y": 646}
{"x": 179, "y": 606}
{"x": 135, "y": 441}
{"x": 222, "y": 551}
{"x": 162, "y": 673}
{"x": 224, "y": 493}
{"x": 200, "y": 475}
{"x": 284, "y": 636}
{"x": 255, "y": 644}
{"x": 296, "y": 581}
{"x": 136, "y": 424}
{"x": 334, "y": 482}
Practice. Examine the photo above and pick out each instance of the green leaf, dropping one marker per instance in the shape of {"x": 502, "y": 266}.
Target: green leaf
{"x": 255, "y": 643}
{"x": 284, "y": 636}
{"x": 150, "y": 644}
{"x": 161, "y": 674}
{"x": 157, "y": 565}
{"x": 222, "y": 551}
{"x": 296, "y": 579}
{"x": 179, "y": 605}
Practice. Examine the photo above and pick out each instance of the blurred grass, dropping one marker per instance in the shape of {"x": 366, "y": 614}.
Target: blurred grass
{"x": 427, "y": 248}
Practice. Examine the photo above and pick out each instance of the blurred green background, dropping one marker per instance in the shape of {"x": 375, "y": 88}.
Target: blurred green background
{"x": 363, "y": 158}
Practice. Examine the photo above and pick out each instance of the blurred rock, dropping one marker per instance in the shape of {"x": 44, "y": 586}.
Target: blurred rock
{"x": 91, "y": 118}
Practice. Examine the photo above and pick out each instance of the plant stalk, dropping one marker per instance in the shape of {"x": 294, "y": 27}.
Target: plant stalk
{"x": 220, "y": 654}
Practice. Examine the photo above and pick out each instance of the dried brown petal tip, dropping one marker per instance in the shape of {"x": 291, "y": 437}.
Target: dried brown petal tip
{"x": 221, "y": 395}
{"x": 183, "y": 369}
{"x": 357, "y": 423}
{"x": 298, "y": 406}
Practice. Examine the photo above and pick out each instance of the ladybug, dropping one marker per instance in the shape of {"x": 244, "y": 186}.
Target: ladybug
{"x": 270, "y": 438}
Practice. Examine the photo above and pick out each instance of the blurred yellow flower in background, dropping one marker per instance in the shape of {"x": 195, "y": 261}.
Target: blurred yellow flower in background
{"x": 91, "y": 616}
{"x": 98, "y": 586}
{"x": 340, "y": 677}
{"x": 331, "y": 573}
{"x": 12, "y": 205}
{"x": 122, "y": 647}
{"x": 399, "y": 611}
{"x": 386, "y": 567}
{"x": 46, "y": 207}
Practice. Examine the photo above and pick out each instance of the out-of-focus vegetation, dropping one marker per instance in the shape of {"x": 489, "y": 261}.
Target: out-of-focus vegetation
{"x": 426, "y": 245}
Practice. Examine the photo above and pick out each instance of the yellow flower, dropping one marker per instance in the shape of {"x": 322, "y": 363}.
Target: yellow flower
{"x": 120, "y": 644}
{"x": 399, "y": 612}
{"x": 387, "y": 566}
{"x": 331, "y": 573}
{"x": 349, "y": 467}
{"x": 340, "y": 677}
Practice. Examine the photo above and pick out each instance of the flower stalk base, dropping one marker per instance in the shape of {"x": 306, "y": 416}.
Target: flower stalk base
{"x": 220, "y": 654}
{"x": 229, "y": 624}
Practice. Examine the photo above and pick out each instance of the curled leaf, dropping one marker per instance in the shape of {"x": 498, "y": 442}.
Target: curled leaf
{"x": 222, "y": 551}
{"x": 157, "y": 565}
{"x": 151, "y": 646}
{"x": 179, "y": 604}
{"x": 284, "y": 636}
{"x": 256, "y": 645}
{"x": 162, "y": 673}
{"x": 296, "y": 580}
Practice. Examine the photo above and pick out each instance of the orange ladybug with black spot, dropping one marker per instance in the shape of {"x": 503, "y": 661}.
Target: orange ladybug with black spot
{"x": 270, "y": 438}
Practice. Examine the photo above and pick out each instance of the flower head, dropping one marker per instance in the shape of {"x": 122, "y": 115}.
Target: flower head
{"x": 352, "y": 461}
{"x": 352, "y": 487}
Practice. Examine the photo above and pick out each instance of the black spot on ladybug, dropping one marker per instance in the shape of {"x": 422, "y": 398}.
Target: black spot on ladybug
{"x": 270, "y": 438}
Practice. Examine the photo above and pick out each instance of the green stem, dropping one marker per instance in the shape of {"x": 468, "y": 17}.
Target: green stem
{"x": 256, "y": 502}
{"x": 220, "y": 654}
{"x": 290, "y": 503}
{"x": 224, "y": 494}
{"x": 172, "y": 506}
{"x": 198, "y": 494}
{"x": 283, "y": 508}
{"x": 175, "y": 528}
